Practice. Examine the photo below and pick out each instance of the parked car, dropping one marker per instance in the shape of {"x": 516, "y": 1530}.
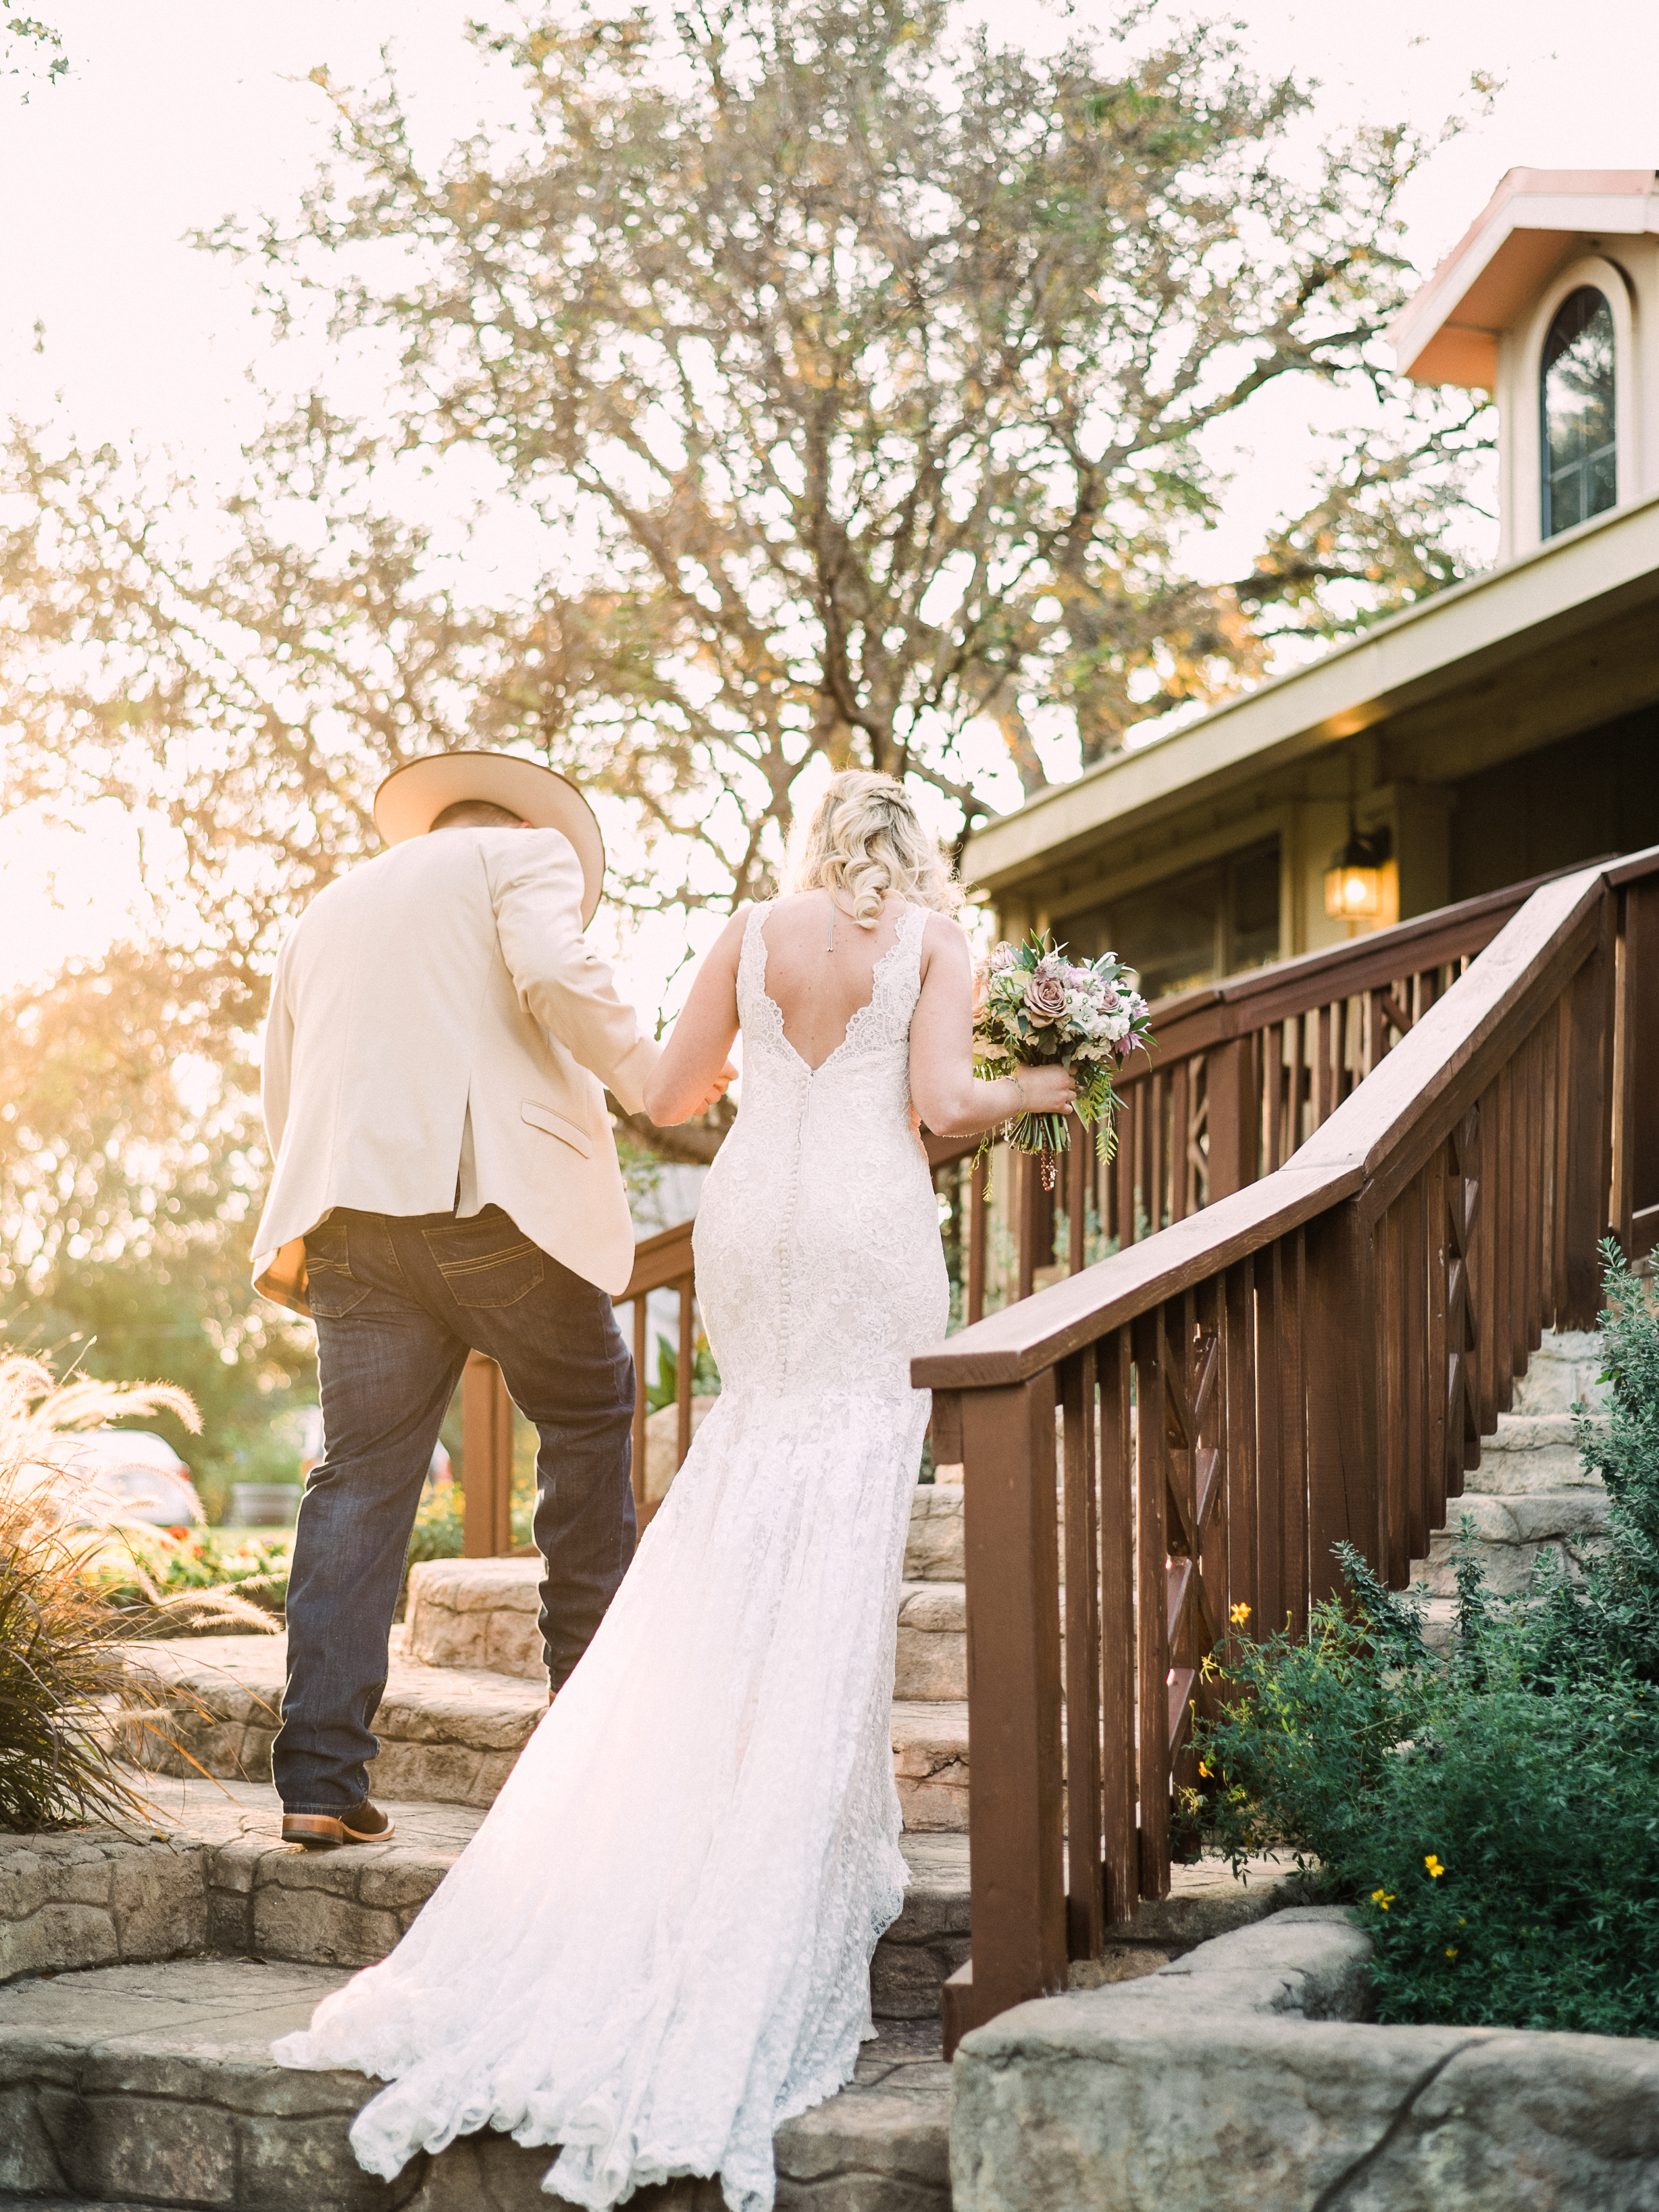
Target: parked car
{"x": 311, "y": 1449}
{"x": 112, "y": 1475}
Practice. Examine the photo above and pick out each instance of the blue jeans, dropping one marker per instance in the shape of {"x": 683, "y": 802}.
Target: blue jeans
{"x": 399, "y": 1301}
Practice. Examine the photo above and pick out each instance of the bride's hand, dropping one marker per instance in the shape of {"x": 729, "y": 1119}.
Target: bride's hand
{"x": 715, "y": 1088}
{"x": 1049, "y": 1089}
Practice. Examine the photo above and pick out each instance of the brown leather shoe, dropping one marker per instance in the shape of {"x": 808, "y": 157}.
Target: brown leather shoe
{"x": 327, "y": 1831}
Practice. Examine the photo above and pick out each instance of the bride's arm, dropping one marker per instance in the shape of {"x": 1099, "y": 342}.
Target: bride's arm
{"x": 944, "y": 1089}
{"x": 694, "y": 1070}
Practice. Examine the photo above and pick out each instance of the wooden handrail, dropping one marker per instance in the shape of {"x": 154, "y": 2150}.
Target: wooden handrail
{"x": 1534, "y": 947}
{"x": 1310, "y": 1358}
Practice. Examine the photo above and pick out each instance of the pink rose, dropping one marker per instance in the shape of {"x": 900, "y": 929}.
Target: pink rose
{"x": 1045, "y": 995}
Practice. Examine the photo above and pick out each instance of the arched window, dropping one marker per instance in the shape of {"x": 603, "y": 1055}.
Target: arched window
{"x": 1576, "y": 390}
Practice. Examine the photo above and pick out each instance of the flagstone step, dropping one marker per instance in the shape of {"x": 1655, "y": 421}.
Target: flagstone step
{"x": 155, "y": 2083}
{"x": 930, "y": 1763}
{"x": 480, "y": 1614}
{"x": 449, "y": 1735}
{"x": 213, "y": 1875}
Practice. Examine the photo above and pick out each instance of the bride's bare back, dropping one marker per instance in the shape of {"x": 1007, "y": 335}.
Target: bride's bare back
{"x": 820, "y": 968}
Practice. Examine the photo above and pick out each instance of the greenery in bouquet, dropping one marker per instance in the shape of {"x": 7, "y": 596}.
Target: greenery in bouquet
{"x": 1032, "y": 1006}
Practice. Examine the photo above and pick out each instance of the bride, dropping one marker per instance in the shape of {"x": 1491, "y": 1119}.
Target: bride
{"x": 657, "y": 1947}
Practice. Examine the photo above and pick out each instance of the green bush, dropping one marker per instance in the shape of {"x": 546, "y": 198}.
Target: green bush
{"x": 1492, "y": 1815}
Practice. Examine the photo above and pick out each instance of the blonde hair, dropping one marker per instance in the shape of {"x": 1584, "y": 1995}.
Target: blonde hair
{"x": 864, "y": 844}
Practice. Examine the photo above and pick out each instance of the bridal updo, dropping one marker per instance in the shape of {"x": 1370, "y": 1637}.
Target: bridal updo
{"x": 864, "y": 844}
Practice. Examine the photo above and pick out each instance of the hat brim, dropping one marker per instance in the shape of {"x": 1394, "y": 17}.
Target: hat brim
{"x": 412, "y": 798}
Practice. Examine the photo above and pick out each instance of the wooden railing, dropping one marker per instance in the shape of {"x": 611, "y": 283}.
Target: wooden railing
{"x": 1244, "y": 1073}
{"x": 660, "y": 1262}
{"x": 1313, "y": 1357}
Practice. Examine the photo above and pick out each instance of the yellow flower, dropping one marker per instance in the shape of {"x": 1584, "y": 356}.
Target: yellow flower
{"x": 1204, "y": 1769}
{"x": 1382, "y": 1898}
{"x": 1451, "y": 1953}
{"x": 1239, "y": 1615}
{"x": 1434, "y": 1866}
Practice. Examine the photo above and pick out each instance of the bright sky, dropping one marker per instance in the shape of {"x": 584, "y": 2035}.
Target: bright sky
{"x": 176, "y": 114}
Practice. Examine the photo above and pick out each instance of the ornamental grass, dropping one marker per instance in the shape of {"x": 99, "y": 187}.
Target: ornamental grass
{"x": 72, "y": 1707}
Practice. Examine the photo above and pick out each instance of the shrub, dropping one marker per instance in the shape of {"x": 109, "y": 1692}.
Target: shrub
{"x": 65, "y": 1690}
{"x": 1493, "y": 1816}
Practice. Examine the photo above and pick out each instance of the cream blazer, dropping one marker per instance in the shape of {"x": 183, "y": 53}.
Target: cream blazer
{"x": 437, "y": 1020}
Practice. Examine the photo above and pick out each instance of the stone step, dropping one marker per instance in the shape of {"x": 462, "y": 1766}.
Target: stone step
{"x": 480, "y": 1614}
{"x": 1531, "y": 1451}
{"x": 1565, "y": 1371}
{"x": 932, "y": 1553}
{"x": 930, "y": 1763}
{"x": 932, "y": 1642}
{"x": 213, "y": 1875}
{"x": 155, "y": 2083}
{"x": 449, "y": 1735}
{"x": 1511, "y": 1531}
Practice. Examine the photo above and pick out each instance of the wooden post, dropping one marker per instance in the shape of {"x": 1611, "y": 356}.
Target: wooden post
{"x": 684, "y": 1373}
{"x": 1016, "y": 1846}
{"x": 640, "y": 1513}
{"x": 486, "y": 1460}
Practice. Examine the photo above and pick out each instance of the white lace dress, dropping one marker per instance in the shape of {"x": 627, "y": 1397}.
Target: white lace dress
{"x": 657, "y": 1947}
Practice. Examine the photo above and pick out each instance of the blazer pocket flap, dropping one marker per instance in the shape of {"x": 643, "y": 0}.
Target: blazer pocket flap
{"x": 543, "y": 1117}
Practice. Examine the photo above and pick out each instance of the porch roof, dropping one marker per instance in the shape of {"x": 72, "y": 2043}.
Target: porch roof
{"x": 1488, "y": 635}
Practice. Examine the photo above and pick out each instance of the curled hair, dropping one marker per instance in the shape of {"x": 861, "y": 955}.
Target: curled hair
{"x": 863, "y": 845}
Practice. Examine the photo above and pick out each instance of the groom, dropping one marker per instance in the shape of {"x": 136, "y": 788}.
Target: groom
{"x": 445, "y": 1179}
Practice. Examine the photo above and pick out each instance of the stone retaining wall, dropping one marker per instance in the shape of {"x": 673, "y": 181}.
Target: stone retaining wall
{"x": 1242, "y": 2075}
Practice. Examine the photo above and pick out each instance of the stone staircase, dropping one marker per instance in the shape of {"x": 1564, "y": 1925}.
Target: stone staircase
{"x": 143, "y": 1977}
{"x": 1530, "y": 1491}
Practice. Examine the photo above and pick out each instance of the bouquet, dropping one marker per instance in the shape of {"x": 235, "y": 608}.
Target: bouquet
{"x": 1032, "y": 1005}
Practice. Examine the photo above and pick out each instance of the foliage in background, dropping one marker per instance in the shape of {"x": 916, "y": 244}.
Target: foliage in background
{"x": 135, "y": 1566}
{"x": 1494, "y": 1814}
{"x": 860, "y": 371}
{"x": 67, "y": 1698}
{"x": 28, "y": 45}
{"x": 705, "y": 1375}
{"x": 130, "y": 1168}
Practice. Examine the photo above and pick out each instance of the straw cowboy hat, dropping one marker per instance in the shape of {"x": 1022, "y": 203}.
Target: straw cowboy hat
{"x": 412, "y": 798}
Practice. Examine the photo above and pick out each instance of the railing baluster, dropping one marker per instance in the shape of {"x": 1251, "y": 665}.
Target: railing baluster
{"x": 1419, "y": 1460}
{"x": 1436, "y": 1370}
{"x": 1503, "y": 1226}
{"x": 1240, "y": 1442}
{"x": 1391, "y": 1394}
{"x": 1084, "y": 1854}
{"x": 1152, "y": 1549}
{"x": 637, "y": 1434}
{"x": 978, "y": 1208}
{"x": 1117, "y": 1629}
{"x": 1293, "y": 1432}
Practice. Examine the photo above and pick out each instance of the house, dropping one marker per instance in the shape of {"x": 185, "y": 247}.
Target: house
{"x": 1505, "y": 728}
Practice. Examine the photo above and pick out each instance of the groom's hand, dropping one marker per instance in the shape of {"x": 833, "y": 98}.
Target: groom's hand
{"x": 719, "y": 1084}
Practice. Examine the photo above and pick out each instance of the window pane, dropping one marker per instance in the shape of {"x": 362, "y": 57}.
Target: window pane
{"x": 1580, "y": 471}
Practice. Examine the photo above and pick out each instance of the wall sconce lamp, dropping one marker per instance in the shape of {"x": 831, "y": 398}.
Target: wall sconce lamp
{"x": 1353, "y": 881}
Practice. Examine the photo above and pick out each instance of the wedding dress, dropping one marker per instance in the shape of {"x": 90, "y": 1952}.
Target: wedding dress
{"x": 657, "y": 1947}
